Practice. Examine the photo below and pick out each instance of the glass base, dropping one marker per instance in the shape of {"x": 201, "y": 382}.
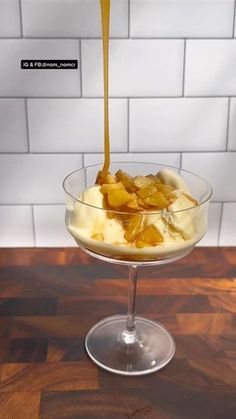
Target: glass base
{"x": 145, "y": 351}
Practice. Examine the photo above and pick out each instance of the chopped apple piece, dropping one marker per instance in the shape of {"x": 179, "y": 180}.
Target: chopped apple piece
{"x": 142, "y": 204}
{"x": 141, "y": 243}
{"x": 103, "y": 178}
{"x": 107, "y": 187}
{"x": 133, "y": 227}
{"x": 155, "y": 178}
{"x": 98, "y": 236}
{"x": 118, "y": 198}
{"x": 165, "y": 189}
{"x": 142, "y": 182}
{"x": 157, "y": 200}
{"x": 150, "y": 235}
{"x": 134, "y": 204}
{"x": 145, "y": 192}
{"x": 110, "y": 178}
{"x": 126, "y": 180}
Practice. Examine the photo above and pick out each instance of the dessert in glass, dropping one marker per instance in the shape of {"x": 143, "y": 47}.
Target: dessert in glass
{"x": 137, "y": 214}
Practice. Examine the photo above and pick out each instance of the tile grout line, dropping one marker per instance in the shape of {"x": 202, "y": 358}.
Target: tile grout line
{"x": 80, "y": 68}
{"x": 21, "y": 18}
{"x": 122, "y": 38}
{"x": 27, "y": 124}
{"x": 129, "y": 19}
{"x": 34, "y": 204}
{"x": 172, "y": 38}
{"x": 184, "y": 66}
{"x": 33, "y": 224}
{"x": 220, "y": 223}
{"x": 227, "y": 126}
{"x": 155, "y": 152}
{"x": 234, "y": 18}
{"x": 128, "y": 125}
{"x": 82, "y": 156}
{"x": 181, "y": 160}
{"x": 177, "y": 97}
{"x": 46, "y": 204}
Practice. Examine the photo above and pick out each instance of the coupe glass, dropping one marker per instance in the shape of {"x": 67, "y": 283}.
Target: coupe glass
{"x": 128, "y": 344}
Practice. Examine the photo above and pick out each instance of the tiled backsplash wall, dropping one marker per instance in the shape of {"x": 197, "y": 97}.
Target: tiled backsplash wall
{"x": 173, "y": 101}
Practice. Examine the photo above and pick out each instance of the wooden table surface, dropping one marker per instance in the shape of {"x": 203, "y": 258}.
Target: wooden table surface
{"x": 49, "y": 298}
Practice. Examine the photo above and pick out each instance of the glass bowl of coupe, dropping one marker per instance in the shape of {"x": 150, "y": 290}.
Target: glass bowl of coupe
{"x": 145, "y": 214}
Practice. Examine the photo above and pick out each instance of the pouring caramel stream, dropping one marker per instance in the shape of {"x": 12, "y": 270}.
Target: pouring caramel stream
{"x": 105, "y": 14}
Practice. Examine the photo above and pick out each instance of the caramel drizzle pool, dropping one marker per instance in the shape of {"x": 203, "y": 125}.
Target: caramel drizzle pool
{"x": 105, "y": 12}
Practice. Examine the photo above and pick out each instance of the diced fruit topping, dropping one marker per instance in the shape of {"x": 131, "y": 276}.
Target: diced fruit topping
{"x": 108, "y": 187}
{"x": 142, "y": 182}
{"x": 148, "y": 191}
{"x": 165, "y": 189}
{"x": 140, "y": 244}
{"x": 150, "y": 235}
{"x": 133, "y": 227}
{"x": 157, "y": 200}
{"x": 132, "y": 196}
{"x": 103, "y": 178}
{"x": 126, "y": 180}
{"x": 134, "y": 205}
{"x": 155, "y": 178}
{"x": 118, "y": 198}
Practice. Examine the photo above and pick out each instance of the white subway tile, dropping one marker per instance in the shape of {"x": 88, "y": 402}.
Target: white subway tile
{"x": 13, "y": 126}
{"x": 75, "y": 125}
{"x": 16, "y": 226}
{"x": 137, "y": 67}
{"x": 17, "y": 82}
{"x": 10, "y": 18}
{"x": 50, "y": 228}
{"x": 217, "y": 168}
{"x": 211, "y": 236}
{"x": 35, "y": 178}
{"x": 178, "y": 124}
{"x": 232, "y": 125}
{"x": 181, "y": 18}
{"x": 210, "y": 68}
{"x": 171, "y": 159}
{"x": 228, "y": 225}
{"x": 74, "y": 18}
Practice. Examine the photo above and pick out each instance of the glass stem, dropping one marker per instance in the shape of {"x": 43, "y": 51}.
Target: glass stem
{"x": 130, "y": 324}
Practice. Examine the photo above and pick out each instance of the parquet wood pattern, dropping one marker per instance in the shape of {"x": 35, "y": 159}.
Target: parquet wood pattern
{"x": 49, "y": 298}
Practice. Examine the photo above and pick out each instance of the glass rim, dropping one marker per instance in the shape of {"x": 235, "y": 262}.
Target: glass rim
{"x": 199, "y": 204}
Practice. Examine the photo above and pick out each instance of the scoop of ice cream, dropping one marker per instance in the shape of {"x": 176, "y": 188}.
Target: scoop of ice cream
{"x": 162, "y": 223}
{"x": 89, "y": 217}
{"x": 93, "y": 220}
{"x": 95, "y": 230}
{"x": 174, "y": 224}
{"x": 168, "y": 177}
{"x": 182, "y": 221}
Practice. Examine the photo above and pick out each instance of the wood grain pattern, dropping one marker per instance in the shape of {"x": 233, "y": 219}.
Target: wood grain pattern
{"x": 49, "y": 299}
{"x": 20, "y": 405}
{"x": 49, "y": 376}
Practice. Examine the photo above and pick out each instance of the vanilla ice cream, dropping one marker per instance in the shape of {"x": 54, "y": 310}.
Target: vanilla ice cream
{"x": 181, "y": 224}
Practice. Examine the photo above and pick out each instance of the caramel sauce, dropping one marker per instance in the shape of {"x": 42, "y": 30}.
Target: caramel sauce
{"x": 105, "y": 14}
{"x": 149, "y": 236}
